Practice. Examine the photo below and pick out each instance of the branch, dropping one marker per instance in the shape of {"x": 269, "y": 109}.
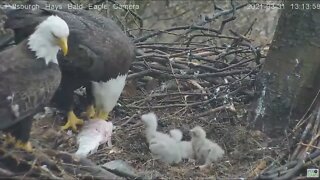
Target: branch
{"x": 129, "y": 11}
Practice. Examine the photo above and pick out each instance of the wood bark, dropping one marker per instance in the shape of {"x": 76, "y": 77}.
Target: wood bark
{"x": 289, "y": 79}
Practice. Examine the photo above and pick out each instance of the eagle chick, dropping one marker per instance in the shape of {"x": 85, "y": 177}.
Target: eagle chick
{"x": 161, "y": 145}
{"x": 185, "y": 147}
{"x": 205, "y": 150}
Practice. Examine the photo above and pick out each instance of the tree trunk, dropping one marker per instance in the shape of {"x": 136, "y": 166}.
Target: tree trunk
{"x": 290, "y": 77}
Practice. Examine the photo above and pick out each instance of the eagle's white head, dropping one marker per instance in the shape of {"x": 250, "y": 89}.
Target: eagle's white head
{"x": 50, "y": 36}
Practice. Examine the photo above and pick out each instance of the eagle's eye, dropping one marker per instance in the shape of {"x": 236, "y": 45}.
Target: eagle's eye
{"x": 54, "y": 35}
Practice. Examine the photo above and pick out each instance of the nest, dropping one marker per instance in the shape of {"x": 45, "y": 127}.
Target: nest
{"x": 48, "y": 164}
{"x": 303, "y": 152}
{"x": 200, "y": 76}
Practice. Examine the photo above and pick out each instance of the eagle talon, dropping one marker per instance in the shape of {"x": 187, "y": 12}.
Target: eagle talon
{"x": 72, "y": 122}
{"x": 90, "y": 112}
{"x": 24, "y": 146}
{"x": 10, "y": 139}
{"x": 100, "y": 114}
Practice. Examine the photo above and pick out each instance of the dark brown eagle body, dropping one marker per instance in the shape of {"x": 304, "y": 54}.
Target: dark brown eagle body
{"x": 26, "y": 85}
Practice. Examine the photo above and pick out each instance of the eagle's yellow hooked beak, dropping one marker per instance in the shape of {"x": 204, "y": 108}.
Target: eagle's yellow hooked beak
{"x": 63, "y": 43}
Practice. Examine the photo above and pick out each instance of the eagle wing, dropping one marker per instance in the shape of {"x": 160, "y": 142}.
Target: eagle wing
{"x": 112, "y": 51}
{"x": 26, "y": 84}
{"x": 22, "y": 28}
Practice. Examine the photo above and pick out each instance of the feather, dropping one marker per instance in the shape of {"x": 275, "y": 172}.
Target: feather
{"x": 205, "y": 150}
{"x": 94, "y": 133}
{"x": 150, "y": 121}
{"x": 176, "y": 134}
{"x": 185, "y": 147}
{"x": 166, "y": 151}
{"x": 162, "y": 146}
{"x": 186, "y": 150}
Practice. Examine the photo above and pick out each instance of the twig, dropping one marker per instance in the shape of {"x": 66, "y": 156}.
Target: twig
{"x": 303, "y": 136}
{"x": 71, "y": 1}
{"x": 308, "y": 145}
{"x": 172, "y": 105}
{"x": 216, "y": 16}
{"x": 308, "y": 110}
{"x": 6, "y": 173}
{"x": 192, "y": 27}
{"x": 129, "y": 120}
{"x": 211, "y": 111}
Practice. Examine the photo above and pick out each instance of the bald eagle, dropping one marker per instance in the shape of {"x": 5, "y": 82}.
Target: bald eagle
{"x": 99, "y": 58}
{"x": 29, "y": 76}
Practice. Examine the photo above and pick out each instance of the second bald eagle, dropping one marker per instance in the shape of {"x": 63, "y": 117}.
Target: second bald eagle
{"x": 29, "y": 76}
{"x": 99, "y": 58}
